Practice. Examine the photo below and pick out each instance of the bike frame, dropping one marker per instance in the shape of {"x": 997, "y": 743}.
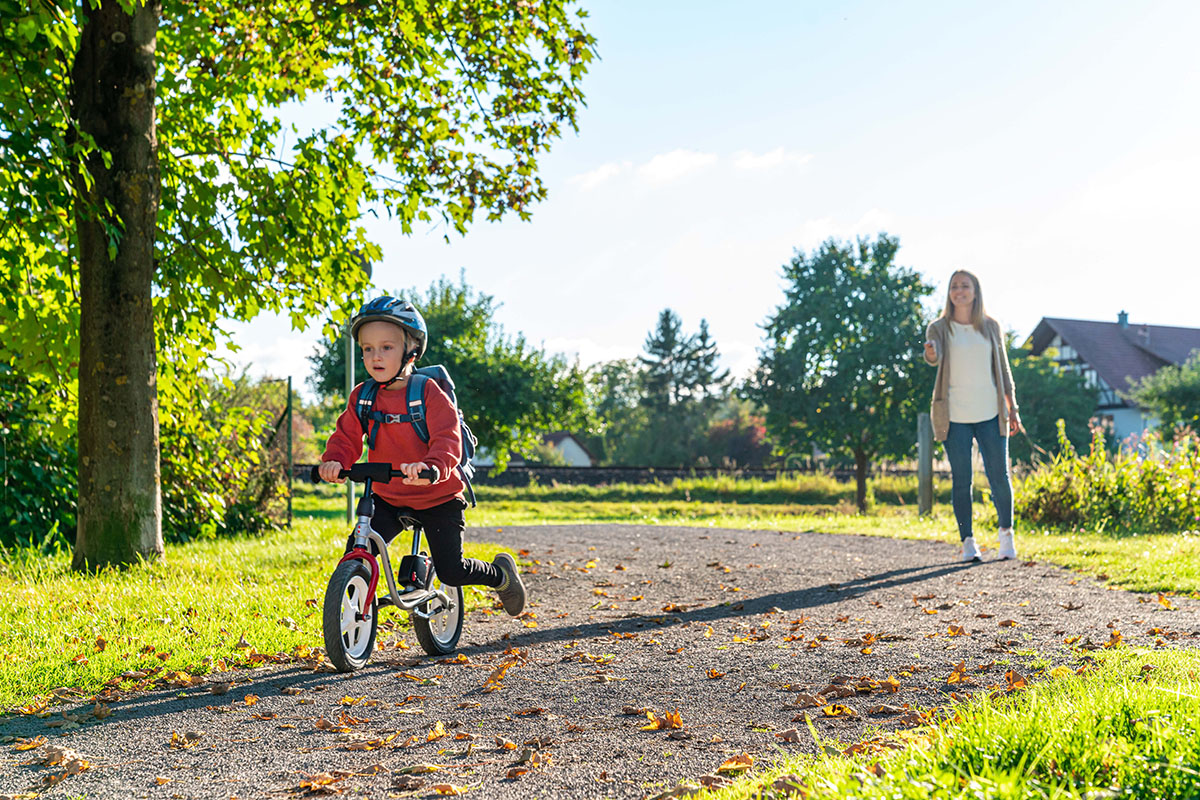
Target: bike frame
{"x": 364, "y": 534}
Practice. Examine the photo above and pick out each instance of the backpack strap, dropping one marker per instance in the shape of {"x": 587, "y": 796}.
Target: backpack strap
{"x": 364, "y": 408}
{"x": 415, "y": 402}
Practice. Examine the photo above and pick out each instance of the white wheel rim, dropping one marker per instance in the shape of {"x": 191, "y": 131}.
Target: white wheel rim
{"x": 356, "y": 632}
{"x": 444, "y": 624}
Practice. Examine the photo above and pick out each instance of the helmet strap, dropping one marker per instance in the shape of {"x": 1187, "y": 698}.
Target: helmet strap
{"x": 409, "y": 358}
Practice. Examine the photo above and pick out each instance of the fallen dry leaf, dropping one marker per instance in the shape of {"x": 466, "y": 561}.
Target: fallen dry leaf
{"x": 790, "y": 735}
{"x": 668, "y": 720}
{"x": 320, "y": 780}
{"x": 189, "y": 739}
{"x": 839, "y": 710}
{"x": 885, "y": 708}
{"x": 422, "y": 768}
{"x": 808, "y": 701}
{"x": 447, "y": 789}
{"x": 739, "y": 763}
{"x": 790, "y": 786}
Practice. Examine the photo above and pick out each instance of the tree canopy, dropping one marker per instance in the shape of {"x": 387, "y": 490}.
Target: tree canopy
{"x": 841, "y": 369}
{"x": 430, "y": 112}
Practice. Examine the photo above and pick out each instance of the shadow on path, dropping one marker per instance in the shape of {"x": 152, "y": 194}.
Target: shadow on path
{"x": 795, "y": 600}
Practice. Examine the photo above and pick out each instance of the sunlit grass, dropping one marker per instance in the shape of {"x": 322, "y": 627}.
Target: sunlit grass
{"x": 1126, "y": 729}
{"x": 63, "y": 629}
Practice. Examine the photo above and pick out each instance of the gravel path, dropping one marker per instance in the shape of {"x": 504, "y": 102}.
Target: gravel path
{"x": 727, "y": 629}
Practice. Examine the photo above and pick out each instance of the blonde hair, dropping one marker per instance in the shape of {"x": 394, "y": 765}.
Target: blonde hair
{"x": 977, "y": 314}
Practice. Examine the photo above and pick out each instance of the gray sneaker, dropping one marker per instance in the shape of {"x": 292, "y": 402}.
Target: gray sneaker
{"x": 512, "y": 591}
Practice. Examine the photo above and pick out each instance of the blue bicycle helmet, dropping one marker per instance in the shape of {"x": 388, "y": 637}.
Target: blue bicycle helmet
{"x": 397, "y": 312}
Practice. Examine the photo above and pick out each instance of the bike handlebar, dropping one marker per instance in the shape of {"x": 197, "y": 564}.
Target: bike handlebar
{"x": 378, "y": 472}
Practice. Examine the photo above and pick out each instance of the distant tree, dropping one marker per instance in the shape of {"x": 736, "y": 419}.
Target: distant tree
{"x": 1047, "y": 394}
{"x": 665, "y": 362}
{"x": 841, "y": 368}
{"x": 615, "y": 390}
{"x": 682, "y": 386}
{"x": 704, "y": 379}
{"x": 510, "y": 392}
{"x": 1172, "y": 394}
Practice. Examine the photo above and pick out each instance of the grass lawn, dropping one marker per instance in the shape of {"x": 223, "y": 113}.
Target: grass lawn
{"x": 188, "y": 613}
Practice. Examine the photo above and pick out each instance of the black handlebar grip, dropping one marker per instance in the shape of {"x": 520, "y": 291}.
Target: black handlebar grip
{"x": 315, "y": 475}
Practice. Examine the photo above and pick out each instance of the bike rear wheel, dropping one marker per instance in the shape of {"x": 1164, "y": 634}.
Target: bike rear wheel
{"x": 439, "y": 634}
{"x": 349, "y": 639}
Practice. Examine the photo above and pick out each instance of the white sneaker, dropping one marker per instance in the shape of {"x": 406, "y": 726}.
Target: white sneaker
{"x": 1007, "y": 549}
{"x": 970, "y": 551}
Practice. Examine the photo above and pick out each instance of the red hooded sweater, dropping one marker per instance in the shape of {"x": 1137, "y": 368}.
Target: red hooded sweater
{"x": 397, "y": 443}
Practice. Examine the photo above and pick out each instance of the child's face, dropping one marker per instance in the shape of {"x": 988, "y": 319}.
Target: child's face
{"x": 383, "y": 347}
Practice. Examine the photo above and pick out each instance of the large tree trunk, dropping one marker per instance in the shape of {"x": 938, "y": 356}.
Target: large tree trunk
{"x": 860, "y": 478}
{"x": 112, "y": 100}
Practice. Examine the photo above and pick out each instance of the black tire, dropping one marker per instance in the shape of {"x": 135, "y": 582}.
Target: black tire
{"x": 349, "y": 641}
{"x": 439, "y": 635}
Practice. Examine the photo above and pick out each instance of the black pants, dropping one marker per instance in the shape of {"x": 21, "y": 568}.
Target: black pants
{"x": 444, "y": 526}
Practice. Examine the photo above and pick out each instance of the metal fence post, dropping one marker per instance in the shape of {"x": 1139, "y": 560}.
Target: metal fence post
{"x": 924, "y": 464}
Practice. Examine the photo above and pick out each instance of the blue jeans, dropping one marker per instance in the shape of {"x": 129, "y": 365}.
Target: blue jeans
{"x": 994, "y": 449}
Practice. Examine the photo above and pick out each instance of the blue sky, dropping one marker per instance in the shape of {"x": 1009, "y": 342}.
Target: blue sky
{"x": 1051, "y": 148}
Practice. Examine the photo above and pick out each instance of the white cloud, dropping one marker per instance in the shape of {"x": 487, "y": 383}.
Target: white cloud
{"x": 667, "y": 167}
{"x": 779, "y": 157}
{"x": 593, "y": 178}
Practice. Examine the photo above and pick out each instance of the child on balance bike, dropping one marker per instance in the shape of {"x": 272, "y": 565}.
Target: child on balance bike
{"x": 392, "y": 335}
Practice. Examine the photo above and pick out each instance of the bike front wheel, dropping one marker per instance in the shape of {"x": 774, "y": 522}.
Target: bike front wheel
{"x": 439, "y": 634}
{"x": 349, "y": 639}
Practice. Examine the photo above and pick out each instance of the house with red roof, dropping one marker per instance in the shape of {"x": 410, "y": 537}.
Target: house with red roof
{"x": 1113, "y": 355}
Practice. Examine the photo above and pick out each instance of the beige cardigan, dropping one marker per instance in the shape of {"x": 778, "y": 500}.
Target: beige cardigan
{"x": 939, "y": 332}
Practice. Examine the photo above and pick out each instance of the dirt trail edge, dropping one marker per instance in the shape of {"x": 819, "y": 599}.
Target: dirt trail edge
{"x": 718, "y": 634}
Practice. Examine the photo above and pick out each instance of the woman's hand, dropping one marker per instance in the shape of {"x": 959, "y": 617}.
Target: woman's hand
{"x": 931, "y": 353}
{"x": 1014, "y": 422}
{"x": 328, "y": 470}
{"x": 410, "y": 474}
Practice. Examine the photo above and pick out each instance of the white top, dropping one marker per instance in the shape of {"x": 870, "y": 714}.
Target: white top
{"x": 972, "y": 395}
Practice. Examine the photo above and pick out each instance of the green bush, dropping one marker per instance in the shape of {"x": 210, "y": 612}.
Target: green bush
{"x": 220, "y": 474}
{"x": 37, "y": 473}
{"x": 1153, "y": 487}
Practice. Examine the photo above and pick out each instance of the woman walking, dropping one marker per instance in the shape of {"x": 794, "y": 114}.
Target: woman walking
{"x": 973, "y": 400}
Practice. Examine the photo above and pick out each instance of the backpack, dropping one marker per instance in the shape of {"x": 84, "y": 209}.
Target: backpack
{"x": 370, "y": 419}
